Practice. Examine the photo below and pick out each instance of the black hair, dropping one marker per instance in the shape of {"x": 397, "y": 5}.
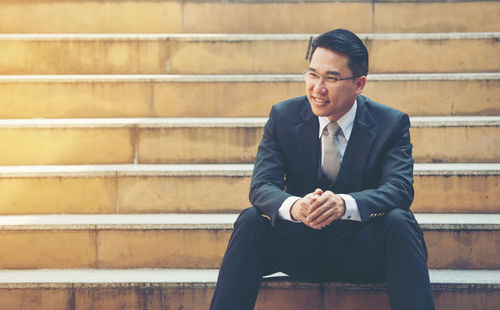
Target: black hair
{"x": 345, "y": 42}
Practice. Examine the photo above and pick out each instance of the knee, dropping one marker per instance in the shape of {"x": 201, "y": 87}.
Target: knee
{"x": 399, "y": 221}
{"x": 403, "y": 232}
{"x": 249, "y": 219}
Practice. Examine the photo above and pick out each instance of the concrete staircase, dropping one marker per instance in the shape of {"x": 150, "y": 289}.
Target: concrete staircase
{"x": 128, "y": 130}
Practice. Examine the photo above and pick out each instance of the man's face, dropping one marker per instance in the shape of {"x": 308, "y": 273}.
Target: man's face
{"x": 328, "y": 98}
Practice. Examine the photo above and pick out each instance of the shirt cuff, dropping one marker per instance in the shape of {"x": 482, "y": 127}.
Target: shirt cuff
{"x": 351, "y": 209}
{"x": 284, "y": 210}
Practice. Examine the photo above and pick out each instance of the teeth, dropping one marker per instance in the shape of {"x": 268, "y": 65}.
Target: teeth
{"x": 320, "y": 100}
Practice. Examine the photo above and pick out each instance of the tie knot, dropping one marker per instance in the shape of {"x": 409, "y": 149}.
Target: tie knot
{"x": 332, "y": 128}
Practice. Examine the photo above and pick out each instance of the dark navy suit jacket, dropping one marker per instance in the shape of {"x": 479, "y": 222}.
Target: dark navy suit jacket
{"x": 377, "y": 167}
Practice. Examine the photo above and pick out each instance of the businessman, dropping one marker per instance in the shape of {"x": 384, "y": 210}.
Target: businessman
{"x": 331, "y": 190}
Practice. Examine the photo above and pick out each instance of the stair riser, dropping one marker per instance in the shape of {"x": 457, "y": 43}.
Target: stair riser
{"x": 108, "y": 145}
{"x": 405, "y": 56}
{"x": 171, "y": 56}
{"x": 39, "y": 146}
{"x": 152, "y": 297}
{"x": 460, "y": 249}
{"x": 166, "y": 248}
{"x": 456, "y": 194}
{"x": 195, "y": 17}
{"x": 394, "y": 17}
{"x": 174, "y": 194}
{"x": 443, "y": 299}
{"x": 79, "y": 99}
{"x": 90, "y": 17}
{"x": 48, "y": 249}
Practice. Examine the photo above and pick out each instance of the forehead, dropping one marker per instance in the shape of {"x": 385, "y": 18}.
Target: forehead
{"x": 324, "y": 60}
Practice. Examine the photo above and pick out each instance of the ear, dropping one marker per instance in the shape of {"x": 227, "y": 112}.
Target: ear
{"x": 360, "y": 84}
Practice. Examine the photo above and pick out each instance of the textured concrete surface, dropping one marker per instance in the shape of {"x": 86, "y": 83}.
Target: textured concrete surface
{"x": 431, "y": 221}
{"x": 176, "y": 277}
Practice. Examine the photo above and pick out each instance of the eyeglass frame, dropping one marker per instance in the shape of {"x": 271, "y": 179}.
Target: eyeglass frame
{"x": 325, "y": 80}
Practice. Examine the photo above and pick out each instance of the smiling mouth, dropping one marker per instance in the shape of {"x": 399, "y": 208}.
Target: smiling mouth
{"x": 320, "y": 101}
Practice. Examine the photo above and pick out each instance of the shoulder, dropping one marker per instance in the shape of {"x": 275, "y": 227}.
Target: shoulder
{"x": 291, "y": 105}
{"x": 291, "y": 110}
{"x": 382, "y": 114}
{"x": 377, "y": 108}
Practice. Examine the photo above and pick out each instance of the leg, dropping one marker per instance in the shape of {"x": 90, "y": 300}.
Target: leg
{"x": 302, "y": 251}
{"x": 248, "y": 257}
{"x": 406, "y": 262}
{"x": 395, "y": 247}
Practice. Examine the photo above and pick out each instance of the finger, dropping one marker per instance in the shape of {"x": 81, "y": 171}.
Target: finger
{"x": 318, "y": 207}
{"x": 311, "y": 197}
{"x": 301, "y": 218}
{"x": 327, "y": 221}
{"x": 320, "y": 201}
{"x": 330, "y": 203}
{"x": 314, "y": 199}
{"x": 314, "y": 195}
{"x": 323, "y": 224}
{"x": 318, "y": 213}
{"x": 313, "y": 217}
{"x": 326, "y": 218}
{"x": 318, "y": 191}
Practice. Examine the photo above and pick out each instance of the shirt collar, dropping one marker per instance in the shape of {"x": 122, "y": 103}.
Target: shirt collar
{"x": 346, "y": 122}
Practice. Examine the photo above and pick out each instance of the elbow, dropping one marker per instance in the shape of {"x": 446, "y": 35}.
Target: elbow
{"x": 407, "y": 195}
{"x": 252, "y": 194}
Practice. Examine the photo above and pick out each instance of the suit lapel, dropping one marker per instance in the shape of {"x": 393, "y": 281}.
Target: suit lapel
{"x": 358, "y": 148}
{"x": 308, "y": 143}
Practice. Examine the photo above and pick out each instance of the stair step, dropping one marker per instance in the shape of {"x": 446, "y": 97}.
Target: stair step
{"x": 94, "y": 16}
{"x": 223, "y": 221}
{"x": 112, "y": 16}
{"x": 158, "y": 240}
{"x": 212, "y": 140}
{"x": 249, "y": 53}
{"x": 174, "y": 276}
{"x": 231, "y": 95}
{"x": 193, "y": 288}
{"x": 169, "y": 188}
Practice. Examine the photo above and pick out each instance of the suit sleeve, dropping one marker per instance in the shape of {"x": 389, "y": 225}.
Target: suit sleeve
{"x": 395, "y": 185}
{"x": 268, "y": 182}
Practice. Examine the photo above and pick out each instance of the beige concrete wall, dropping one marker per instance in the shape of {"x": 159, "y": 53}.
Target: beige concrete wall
{"x": 195, "y": 17}
{"x": 145, "y": 98}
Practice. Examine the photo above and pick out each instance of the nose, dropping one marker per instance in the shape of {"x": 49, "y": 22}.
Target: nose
{"x": 319, "y": 86}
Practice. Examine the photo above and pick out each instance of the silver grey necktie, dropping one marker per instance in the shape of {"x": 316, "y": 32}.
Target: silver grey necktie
{"x": 331, "y": 155}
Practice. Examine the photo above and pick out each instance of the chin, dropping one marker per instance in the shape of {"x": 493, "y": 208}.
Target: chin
{"x": 319, "y": 112}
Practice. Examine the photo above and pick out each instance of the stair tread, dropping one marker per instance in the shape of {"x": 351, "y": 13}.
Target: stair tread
{"x": 71, "y": 78}
{"x": 176, "y": 277}
{"x": 213, "y": 170}
{"x": 254, "y": 122}
{"x": 435, "y": 221}
{"x": 249, "y": 37}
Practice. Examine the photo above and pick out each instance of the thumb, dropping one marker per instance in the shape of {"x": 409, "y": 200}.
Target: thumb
{"x": 318, "y": 191}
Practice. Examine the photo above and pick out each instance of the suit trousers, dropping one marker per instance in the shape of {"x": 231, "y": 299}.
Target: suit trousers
{"x": 390, "y": 248}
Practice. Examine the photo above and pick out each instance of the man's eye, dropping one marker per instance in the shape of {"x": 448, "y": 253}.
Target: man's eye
{"x": 332, "y": 79}
{"x": 313, "y": 75}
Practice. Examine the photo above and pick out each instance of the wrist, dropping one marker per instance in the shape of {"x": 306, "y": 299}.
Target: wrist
{"x": 291, "y": 213}
{"x": 344, "y": 208}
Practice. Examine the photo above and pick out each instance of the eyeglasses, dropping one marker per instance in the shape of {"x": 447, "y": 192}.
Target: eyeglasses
{"x": 328, "y": 79}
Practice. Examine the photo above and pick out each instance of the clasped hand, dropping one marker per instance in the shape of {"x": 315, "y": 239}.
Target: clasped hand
{"x": 318, "y": 209}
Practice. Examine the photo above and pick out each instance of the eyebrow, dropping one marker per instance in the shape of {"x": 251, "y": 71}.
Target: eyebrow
{"x": 327, "y": 72}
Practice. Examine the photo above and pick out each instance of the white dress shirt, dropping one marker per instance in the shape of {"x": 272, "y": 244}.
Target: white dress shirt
{"x": 346, "y": 123}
